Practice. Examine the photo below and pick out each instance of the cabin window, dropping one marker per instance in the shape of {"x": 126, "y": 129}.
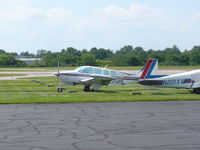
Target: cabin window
{"x": 97, "y": 71}
{"x": 113, "y": 73}
{"x": 88, "y": 70}
{"x": 106, "y": 72}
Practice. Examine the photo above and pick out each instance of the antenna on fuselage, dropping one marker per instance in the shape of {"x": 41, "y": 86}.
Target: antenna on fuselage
{"x": 106, "y": 67}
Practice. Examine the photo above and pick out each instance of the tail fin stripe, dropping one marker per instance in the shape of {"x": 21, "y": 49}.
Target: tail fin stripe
{"x": 151, "y": 68}
{"x": 146, "y": 68}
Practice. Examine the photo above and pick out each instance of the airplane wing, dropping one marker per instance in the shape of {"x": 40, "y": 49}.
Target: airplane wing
{"x": 87, "y": 80}
{"x": 103, "y": 80}
{"x": 96, "y": 79}
{"x": 103, "y": 77}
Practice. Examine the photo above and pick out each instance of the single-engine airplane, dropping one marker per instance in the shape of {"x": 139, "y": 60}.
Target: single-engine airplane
{"x": 187, "y": 80}
{"x": 95, "y": 77}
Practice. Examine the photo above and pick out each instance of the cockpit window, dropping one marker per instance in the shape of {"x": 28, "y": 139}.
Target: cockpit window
{"x": 88, "y": 70}
{"x": 97, "y": 71}
{"x": 106, "y": 72}
{"x": 79, "y": 69}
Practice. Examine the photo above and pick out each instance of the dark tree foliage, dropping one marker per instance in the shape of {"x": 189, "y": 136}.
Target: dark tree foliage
{"x": 27, "y": 54}
{"x": 87, "y": 59}
{"x": 2, "y": 51}
{"x": 194, "y": 55}
{"x": 125, "y": 56}
{"x": 8, "y": 60}
{"x": 101, "y": 53}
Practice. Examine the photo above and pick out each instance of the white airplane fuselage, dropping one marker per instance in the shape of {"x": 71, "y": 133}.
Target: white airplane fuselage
{"x": 75, "y": 77}
{"x": 188, "y": 80}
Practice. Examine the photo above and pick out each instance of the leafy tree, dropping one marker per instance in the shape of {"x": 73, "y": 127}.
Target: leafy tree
{"x": 157, "y": 54}
{"x": 126, "y": 60}
{"x": 2, "y": 51}
{"x": 141, "y": 55}
{"x": 49, "y": 59}
{"x": 41, "y": 53}
{"x": 87, "y": 59}
{"x": 126, "y": 56}
{"x": 7, "y": 60}
{"x": 119, "y": 60}
{"x": 133, "y": 60}
{"x": 184, "y": 59}
{"x": 194, "y": 55}
{"x": 73, "y": 51}
{"x": 101, "y": 54}
{"x": 84, "y": 51}
{"x": 103, "y": 62}
{"x": 27, "y": 54}
{"x": 172, "y": 51}
{"x": 125, "y": 50}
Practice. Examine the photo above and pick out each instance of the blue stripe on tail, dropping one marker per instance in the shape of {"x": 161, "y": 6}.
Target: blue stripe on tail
{"x": 151, "y": 68}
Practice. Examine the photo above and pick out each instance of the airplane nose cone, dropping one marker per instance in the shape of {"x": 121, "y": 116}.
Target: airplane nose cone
{"x": 56, "y": 74}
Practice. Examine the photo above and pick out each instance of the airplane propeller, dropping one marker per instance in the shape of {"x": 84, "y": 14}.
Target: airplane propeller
{"x": 58, "y": 83}
{"x": 58, "y": 72}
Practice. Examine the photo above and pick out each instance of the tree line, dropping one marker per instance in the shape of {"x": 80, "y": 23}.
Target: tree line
{"x": 125, "y": 56}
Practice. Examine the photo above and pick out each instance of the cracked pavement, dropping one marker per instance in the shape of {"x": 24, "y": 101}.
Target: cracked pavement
{"x": 101, "y": 126}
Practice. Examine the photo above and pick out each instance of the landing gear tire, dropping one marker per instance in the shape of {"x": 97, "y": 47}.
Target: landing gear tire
{"x": 59, "y": 90}
{"x": 87, "y": 88}
{"x": 197, "y": 90}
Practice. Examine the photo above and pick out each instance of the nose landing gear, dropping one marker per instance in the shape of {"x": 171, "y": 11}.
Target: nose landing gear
{"x": 60, "y": 90}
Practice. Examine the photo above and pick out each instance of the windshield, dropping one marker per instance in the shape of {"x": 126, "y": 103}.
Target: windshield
{"x": 88, "y": 70}
{"x": 79, "y": 69}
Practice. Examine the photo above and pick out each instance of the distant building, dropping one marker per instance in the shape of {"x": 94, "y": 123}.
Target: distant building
{"x": 29, "y": 61}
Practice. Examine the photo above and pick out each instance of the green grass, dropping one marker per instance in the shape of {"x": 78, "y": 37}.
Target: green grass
{"x": 28, "y": 91}
{"x": 10, "y": 74}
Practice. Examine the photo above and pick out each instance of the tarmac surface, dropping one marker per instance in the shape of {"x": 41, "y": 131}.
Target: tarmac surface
{"x": 101, "y": 126}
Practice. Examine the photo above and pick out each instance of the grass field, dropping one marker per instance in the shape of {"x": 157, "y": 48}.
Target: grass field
{"x": 35, "y": 90}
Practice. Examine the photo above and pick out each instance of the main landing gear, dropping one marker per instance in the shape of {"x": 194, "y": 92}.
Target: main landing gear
{"x": 86, "y": 88}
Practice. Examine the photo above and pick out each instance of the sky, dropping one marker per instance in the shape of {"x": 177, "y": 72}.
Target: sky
{"x": 31, "y": 25}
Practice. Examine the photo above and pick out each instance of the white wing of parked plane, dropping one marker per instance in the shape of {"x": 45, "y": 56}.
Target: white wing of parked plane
{"x": 85, "y": 81}
{"x": 96, "y": 82}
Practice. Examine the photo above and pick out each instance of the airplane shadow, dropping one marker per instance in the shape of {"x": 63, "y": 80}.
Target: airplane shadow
{"x": 107, "y": 92}
{"x": 160, "y": 94}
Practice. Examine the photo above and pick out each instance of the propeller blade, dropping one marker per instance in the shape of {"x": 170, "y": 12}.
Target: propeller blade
{"x": 58, "y": 68}
{"x": 58, "y": 74}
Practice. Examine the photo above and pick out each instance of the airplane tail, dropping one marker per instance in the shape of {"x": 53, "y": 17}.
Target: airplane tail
{"x": 150, "y": 70}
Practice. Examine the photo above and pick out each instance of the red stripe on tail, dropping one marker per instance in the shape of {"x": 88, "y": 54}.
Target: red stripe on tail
{"x": 146, "y": 68}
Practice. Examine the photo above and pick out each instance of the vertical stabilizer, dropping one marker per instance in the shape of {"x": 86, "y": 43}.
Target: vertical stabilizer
{"x": 150, "y": 70}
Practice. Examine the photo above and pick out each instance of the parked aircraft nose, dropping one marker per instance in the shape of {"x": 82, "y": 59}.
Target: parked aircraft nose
{"x": 57, "y": 73}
